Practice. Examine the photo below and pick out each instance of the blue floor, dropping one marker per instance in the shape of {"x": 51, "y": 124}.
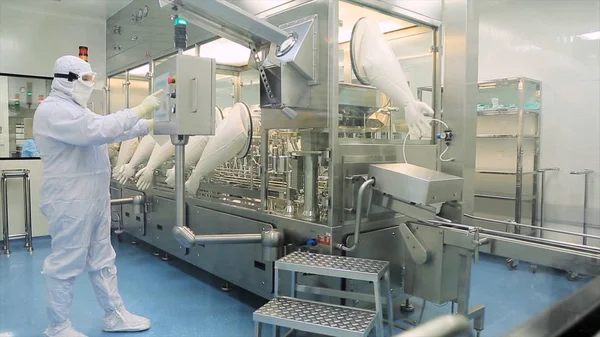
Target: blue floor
{"x": 183, "y": 301}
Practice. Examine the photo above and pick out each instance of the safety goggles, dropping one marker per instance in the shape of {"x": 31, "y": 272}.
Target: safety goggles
{"x": 86, "y": 77}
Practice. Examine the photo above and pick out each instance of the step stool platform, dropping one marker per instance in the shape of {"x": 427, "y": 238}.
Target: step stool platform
{"x": 315, "y": 317}
{"x": 333, "y": 265}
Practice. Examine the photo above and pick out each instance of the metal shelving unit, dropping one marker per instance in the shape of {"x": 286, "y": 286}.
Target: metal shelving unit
{"x": 518, "y": 98}
{"x": 516, "y": 102}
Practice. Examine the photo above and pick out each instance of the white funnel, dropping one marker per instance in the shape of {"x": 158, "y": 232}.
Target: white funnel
{"x": 232, "y": 138}
{"x": 193, "y": 150}
{"x": 374, "y": 63}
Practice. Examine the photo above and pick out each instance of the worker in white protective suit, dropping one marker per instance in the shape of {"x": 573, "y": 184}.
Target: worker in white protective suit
{"x": 75, "y": 197}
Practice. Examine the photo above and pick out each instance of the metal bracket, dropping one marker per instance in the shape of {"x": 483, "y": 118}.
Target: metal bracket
{"x": 478, "y": 242}
{"x": 263, "y": 76}
{"x": 415, "y": 248}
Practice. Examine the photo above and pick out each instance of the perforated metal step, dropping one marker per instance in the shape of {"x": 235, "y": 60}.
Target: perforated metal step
{"x": 332, "y": 265}
{"x": 315, "y": 317}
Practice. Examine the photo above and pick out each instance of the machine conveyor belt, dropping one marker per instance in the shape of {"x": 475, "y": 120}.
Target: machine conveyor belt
{"x": 320, "y": 318}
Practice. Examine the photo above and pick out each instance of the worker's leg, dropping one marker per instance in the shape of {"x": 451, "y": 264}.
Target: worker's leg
{"x": 70, "y": 228}
{"x": 103, "y": 275}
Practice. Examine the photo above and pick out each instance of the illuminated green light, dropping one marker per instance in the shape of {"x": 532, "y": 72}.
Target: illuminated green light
{"x": 29, "y": 94}
{"x": 180, "y": 21}
{"x": 17, "y": 103}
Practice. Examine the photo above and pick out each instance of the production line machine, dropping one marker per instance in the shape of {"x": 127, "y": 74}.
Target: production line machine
{"x": 317, "y": 170}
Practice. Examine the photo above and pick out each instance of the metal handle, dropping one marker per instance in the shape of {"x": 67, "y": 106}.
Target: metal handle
{"x": 581, "y": 172}
{"x": 547, "y": 169}
{"x": 194, "y": 95}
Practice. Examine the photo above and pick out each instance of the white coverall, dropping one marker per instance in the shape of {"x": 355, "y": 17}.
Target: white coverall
{"x": 75, "y": 198}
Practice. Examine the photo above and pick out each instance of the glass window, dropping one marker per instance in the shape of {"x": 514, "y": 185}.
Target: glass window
{"x": 20, "y": 98}
{"x": 117, "y": 93}
{"x": 368, "y": 112}
{"x": 139, "y": 85}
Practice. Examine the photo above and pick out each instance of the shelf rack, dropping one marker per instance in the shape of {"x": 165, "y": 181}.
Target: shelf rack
{"x": 522, "y": 99}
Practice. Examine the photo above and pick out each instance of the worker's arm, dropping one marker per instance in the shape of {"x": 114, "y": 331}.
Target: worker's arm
{"x": 78, "y": 126}
{"x": 140, "y": 129}
{"x": 82, "y": 127}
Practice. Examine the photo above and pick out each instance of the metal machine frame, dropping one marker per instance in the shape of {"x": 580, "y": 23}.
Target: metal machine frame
{"x": 437, "y": 267}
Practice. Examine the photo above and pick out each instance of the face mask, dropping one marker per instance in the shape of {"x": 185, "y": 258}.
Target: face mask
{"x": 82, "y": 90}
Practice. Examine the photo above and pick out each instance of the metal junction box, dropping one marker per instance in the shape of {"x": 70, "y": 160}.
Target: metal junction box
{"x": 416, "y": 184}
{"x": 188, "y": 104}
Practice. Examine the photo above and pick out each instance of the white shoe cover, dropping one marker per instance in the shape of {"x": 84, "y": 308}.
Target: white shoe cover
{"x": 62, "y": 330}
{"x": 121, "y": 320}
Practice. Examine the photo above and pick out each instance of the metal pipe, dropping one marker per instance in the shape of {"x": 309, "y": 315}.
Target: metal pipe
{"x": 138, "y": 202}
{"x": 357, "y": 226}
{"x": 264, "y": 169}
{"x": 311, "y": 168}
{"x": 519, "y": 173}
{"x": 122, "y": 201}
{"x": 271, "y": 240}
{"x": 126, "y": 89}
{"x": 179, "y": 142}
{"x": 542, "y": 210}
{"x": 227, "y": 239}
{"x": 5, "y": 243}
{"x": 586, "y": 173}
{"x": 543, "y": 241}
{"x": 289, "y": 207}
{"x": 533, "y": 227}
{"x": 27, "y": 213}
{"x": 17, "y": 236}
{"x": 445, "y": 326}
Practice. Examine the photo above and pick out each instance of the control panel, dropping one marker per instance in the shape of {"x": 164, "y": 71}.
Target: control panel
{"x": 188, "y": 103}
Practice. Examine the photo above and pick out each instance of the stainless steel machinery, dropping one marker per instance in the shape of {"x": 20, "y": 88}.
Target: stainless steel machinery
{"x": 321, "y": 174}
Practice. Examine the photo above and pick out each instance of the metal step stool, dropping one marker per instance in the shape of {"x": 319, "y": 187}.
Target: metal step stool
{"x": 324, "y": 318}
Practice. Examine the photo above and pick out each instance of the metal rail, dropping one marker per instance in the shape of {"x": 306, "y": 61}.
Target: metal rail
{"x": 521, "y": 237}
{"x": 474, "y": 217}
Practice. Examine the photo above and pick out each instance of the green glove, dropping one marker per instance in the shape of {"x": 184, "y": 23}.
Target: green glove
{"x": 149, "y": 104}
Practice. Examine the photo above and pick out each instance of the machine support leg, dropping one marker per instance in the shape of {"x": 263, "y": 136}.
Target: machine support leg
{"x": 464, "y": 284}
{"x": 257, "y": 329}
{"x": 407, "y": 307}
{"x": 390, "y": 303}
{"x": 293, "y": 289}
{"x": 378, "y": 308}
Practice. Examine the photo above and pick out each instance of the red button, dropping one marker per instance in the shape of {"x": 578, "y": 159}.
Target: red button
{"x": 171, "y": 80}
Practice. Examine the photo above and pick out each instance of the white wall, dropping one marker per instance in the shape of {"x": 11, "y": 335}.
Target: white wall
{"x": 31, "y": 41}
{"x": 538, "y": 39}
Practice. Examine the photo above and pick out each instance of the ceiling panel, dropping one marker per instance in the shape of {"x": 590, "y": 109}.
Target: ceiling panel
{"x": 94, "y": 9}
